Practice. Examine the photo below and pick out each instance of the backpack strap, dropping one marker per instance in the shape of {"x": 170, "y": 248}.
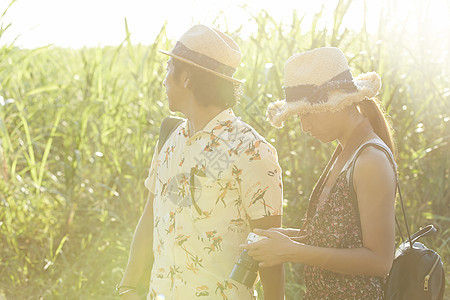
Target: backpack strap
{"x": 427, "y": 230}
{"x": 168, "y": 126}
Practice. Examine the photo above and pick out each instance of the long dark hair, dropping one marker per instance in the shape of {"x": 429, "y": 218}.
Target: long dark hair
{"x": 379, "y": 120}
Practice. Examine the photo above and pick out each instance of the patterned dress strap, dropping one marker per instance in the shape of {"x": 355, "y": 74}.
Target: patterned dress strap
{"x": 318, "y": 188}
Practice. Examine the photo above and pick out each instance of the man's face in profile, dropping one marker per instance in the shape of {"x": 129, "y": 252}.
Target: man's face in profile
{"x": 175, "y": 91}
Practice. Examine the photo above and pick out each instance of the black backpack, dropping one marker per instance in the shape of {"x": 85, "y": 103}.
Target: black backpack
{"x": 417, "y": 272}
{"x": 168, "y": 125}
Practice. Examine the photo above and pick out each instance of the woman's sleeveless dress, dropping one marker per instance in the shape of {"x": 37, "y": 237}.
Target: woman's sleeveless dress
{"x": 336, "y": 225}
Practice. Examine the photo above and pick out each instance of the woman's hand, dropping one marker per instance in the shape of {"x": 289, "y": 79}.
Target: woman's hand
{"x": 130, "y": 296}
{"x": 271, "y": 251}
{"x": 294, "y": 234}
{"x": 290, "y": 232}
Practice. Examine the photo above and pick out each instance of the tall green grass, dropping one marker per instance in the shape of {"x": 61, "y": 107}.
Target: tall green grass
{"x": 78, "y": 128}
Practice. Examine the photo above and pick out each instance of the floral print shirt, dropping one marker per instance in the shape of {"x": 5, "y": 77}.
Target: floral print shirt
{"x": 207, "y": 187}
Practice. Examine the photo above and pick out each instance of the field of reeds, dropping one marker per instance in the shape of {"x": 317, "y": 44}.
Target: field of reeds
{"x": 78, "y": 128}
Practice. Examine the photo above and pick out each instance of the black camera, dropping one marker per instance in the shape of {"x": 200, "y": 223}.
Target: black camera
{"x": 245, "y": 270}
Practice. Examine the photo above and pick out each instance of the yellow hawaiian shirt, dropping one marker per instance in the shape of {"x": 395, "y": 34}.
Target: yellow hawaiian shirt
{"x": 206, "y": 189}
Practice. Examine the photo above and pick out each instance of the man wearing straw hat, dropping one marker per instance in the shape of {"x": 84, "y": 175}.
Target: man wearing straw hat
{"x": 213, "y": 180}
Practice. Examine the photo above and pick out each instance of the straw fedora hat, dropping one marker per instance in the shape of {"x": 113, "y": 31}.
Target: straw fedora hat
{"x": 320, "y": 80}
{"x": 208, "y": 49}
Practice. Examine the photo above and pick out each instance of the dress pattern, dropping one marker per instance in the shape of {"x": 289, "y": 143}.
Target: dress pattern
{"x": 336, "y": 224}
{"x": 207, "y": 187}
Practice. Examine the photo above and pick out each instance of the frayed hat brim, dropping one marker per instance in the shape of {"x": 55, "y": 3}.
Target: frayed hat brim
{"x": 368, "y": 85}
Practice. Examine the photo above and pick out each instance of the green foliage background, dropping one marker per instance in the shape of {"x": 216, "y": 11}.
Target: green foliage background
{"x": 78, "y": 127}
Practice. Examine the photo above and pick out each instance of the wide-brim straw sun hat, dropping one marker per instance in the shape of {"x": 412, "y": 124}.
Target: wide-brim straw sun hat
{"x": 320, "y": 80}
{"x": 208, "y": 49}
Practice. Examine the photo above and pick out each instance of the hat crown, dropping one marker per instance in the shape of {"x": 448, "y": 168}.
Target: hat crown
{"x": 315, "y": 67}
{"x": 212, "y": 43}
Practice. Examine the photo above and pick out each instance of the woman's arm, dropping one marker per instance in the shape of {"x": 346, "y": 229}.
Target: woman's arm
{"x": 374, "y": 182}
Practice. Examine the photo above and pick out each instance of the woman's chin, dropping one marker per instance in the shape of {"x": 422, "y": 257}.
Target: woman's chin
{"x": 173, "y": 107}
{"x": 323, "y": 138}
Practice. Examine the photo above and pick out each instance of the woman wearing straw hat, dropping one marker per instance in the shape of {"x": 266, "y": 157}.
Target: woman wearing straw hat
{"x": 347, "y": 239}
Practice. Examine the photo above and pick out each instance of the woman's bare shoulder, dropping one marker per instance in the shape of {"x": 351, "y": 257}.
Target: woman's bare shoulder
{"x": 373, "y": 162}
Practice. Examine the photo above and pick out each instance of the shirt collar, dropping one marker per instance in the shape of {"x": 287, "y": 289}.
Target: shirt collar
{"x": 224, "y": 119}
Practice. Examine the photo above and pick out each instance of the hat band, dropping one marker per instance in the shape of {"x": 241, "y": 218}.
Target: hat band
{"x": 315, "y": 94}
{"x": 202, "y": 60}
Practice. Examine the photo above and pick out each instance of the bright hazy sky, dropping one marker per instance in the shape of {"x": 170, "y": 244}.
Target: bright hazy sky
{"x": 79, "y": 23}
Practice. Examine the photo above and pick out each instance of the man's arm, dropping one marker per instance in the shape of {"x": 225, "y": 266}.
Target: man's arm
{"x": 141, "y": 253}
{"x": 262, "y": 196}
{"x": 272, "y": 278}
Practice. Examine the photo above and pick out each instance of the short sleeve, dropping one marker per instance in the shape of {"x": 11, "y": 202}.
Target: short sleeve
{"x": 261, "y": 181}
{"x": 151, "y": 179}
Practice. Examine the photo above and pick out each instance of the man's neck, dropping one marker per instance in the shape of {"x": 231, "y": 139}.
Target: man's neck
{"x": 199, "y": 116}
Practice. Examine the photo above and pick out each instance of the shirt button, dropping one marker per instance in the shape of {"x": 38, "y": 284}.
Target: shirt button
{"x": 188, "y": 143}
